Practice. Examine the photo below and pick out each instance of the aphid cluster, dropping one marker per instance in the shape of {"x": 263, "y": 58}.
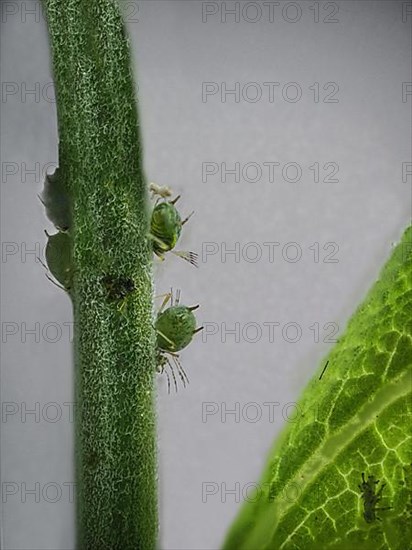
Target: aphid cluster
{"x": 59, "y": 250}
{"x": 371, "y": 498}
{"x": 175, "y": 326}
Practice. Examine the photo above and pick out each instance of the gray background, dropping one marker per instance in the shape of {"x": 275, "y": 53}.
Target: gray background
{"x": 367, "y": 133}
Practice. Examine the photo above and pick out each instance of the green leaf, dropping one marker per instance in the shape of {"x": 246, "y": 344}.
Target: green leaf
{"x": 356, "y": 419}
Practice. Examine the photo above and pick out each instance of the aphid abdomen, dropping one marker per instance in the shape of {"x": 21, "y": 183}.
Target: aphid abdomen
{"x": 175, "y": 328}
{"x": 165, "y": 227}
{"x": 59, "y": 258}
{"x": 56, "y": 200}
{"x": 369, "y": 516}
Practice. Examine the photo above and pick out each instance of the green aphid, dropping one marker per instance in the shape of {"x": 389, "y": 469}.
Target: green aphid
{"x": 165, "y": 228}
{"x": 175, "y": 328}
{"x": 59, "y": 258}
{"x": 56, "y": 199}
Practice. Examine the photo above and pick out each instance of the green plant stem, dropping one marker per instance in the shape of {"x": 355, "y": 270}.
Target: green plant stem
{"x": 100, "y": 161}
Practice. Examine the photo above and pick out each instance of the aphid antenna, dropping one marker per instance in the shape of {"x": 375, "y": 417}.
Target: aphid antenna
{"x": 371, "y": 479}
{"x": 177, "y": 297}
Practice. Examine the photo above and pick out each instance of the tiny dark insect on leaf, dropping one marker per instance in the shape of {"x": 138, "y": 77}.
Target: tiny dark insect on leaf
{"x": 371, "y": 498}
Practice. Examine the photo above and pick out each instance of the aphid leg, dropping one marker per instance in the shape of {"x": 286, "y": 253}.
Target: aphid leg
{"x": 377, "y": 517}
{"x": 48, "y": 276}
{"x": 173, "y": 373}
{"x": 177, "y": 299}
{"x": 162, "y": 295}
{"x": 188, "y": 217}
{"x": 168, "y": 297}
{"x": 121, "y": 306}
{"x": 180, "y": 369}
{"x": 378, "y": 494}
{"x": 168, "y": 381}
{"x": 42, "y": 263}
{"x": 161, "y": 370}
{"x": 183, "y": 376}
{"x": 382, "y": 509}
{"x": 161, "y": 244}
{"x": 165, "y": 337}
{"x": 190, "y": 257}
{"x": 54, "y": 282}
